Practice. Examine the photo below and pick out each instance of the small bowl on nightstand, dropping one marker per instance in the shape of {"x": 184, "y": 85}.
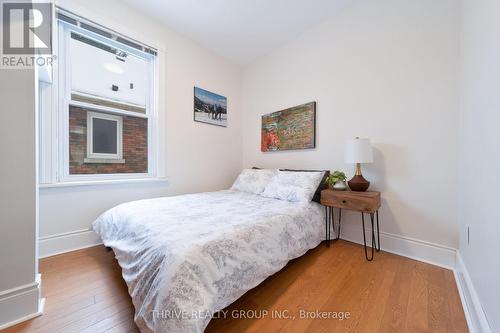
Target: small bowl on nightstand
{"x": 341, "y": 185}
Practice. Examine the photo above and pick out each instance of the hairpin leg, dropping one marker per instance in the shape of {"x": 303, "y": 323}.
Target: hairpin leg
{"x": 372, "y": 220}
{"x": 330, "y": 218}
{"x": 377, "y": 245}
{"x": 332, "y": 221}
{"x": 326, "y": 225}
{"x": 364, "y": 237}
{"x": 340, "y": 222}
{"x": 330, "y": 224}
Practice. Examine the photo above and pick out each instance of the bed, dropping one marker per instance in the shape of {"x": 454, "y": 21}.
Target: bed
{"x": 186, "y": 257}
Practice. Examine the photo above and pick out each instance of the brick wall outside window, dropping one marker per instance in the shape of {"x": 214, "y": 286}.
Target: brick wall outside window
{"x": 135, "y": 146}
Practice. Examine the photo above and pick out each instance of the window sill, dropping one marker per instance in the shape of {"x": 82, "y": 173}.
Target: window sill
{"x": 103, "y": 182}
{"x": 104, "y": 160}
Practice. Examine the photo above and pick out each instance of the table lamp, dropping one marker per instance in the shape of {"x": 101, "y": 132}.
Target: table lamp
{"x": 358, "y": 151}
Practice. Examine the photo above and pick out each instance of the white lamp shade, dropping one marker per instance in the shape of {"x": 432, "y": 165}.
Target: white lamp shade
{"x": 358, "y": 151}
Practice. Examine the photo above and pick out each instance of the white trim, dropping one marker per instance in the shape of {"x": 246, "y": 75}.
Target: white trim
{"x": 61, "y": 105}
{"x": 108, "y": 109}
{"x": 412, "y": 248}
{"x": 46, "y": 127}
{"x": 18, "y": 290}
{"x": 152, "y": 107}
{"x": 463, "y": 300}
{"x": 102, "y": 178}
{"x": 106, "y": 99}
{"x": 474, "y": 313}
{"x": 103, "y": 28}
{"x": 67, "y": 242}
{"x": 434, "y": 254}
{"x": 90, "y": 137}
{"x": 118, "y": 27}
{"x": 105, "y": 182}
{"x": 57, "y": 164}
{"x": 21, "y": 303}
{"x": 41, "y": 306}
{"x": 65, "y": 100}
{"x": 101, "y": 160}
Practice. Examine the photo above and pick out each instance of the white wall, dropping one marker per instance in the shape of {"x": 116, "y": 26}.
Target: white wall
{"x": 386, "y": 70}
{"x": 381, "y": 69}
{"x": 19, "y": 290}
{"x": 479, "y": 151}
{"x": 199, "y": 157}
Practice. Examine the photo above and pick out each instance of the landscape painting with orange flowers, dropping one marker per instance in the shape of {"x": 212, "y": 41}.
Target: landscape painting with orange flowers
{"x": 289, "y": 129}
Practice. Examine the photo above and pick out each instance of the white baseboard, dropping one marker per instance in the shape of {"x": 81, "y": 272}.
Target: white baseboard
{"x": 66, "y": 242}
{"x": 476, "y": 319}
{"x": 408, "y": 247}
{"x": 21, "y": 303}
{"x": 434, "y": 254}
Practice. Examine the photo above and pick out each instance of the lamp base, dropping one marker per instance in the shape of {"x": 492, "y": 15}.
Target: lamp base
{"x": 358, "y": 183}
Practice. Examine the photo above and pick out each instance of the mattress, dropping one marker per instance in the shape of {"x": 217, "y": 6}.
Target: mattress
{"x": 186, "y": 257}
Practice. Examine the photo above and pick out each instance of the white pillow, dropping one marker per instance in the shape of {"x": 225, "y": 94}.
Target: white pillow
{"x": 293, "y": 186}
{"x": 253, "y": 180}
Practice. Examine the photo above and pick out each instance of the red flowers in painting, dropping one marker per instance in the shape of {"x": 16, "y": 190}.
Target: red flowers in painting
{"x": 270, "y": 140}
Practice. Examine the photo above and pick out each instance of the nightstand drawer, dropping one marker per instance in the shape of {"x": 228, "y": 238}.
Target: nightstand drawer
{"x": 368, "y": 202}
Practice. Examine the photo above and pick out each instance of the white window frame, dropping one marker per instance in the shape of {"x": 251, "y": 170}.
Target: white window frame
{"x": 100, "y": 157}
{"x": 56, "y": 100}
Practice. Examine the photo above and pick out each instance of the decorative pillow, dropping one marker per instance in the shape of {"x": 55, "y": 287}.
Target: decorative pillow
{"x": 253, "y": 180}
{"x": 293, "y": 186}
{"x": 322, "y": 185}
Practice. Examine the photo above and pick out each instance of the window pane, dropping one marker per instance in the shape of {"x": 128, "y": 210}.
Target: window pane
{"x": 104, "y": 136}
{"x": 134, "y": 143}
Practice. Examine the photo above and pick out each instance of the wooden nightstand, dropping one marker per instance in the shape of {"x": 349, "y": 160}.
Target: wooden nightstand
{"x": 363, "y": 202}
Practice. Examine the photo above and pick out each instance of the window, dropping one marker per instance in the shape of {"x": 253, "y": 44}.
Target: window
{"x": 102, "y": 107}
{"x": 104, "y": 138}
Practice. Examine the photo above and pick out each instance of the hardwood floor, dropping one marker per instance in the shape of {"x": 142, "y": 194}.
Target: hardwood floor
{"x": 85, "y": 293}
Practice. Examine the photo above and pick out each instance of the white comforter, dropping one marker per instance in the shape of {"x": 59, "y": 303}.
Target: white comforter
{"x": 186, "y": 257}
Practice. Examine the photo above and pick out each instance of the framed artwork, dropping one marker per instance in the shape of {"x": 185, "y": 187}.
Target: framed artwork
{"x": 289, "y": 129}
{"x": 209, "y": 107}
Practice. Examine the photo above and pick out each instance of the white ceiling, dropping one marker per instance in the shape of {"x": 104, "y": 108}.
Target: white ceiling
{"x": 240, "y": 30}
